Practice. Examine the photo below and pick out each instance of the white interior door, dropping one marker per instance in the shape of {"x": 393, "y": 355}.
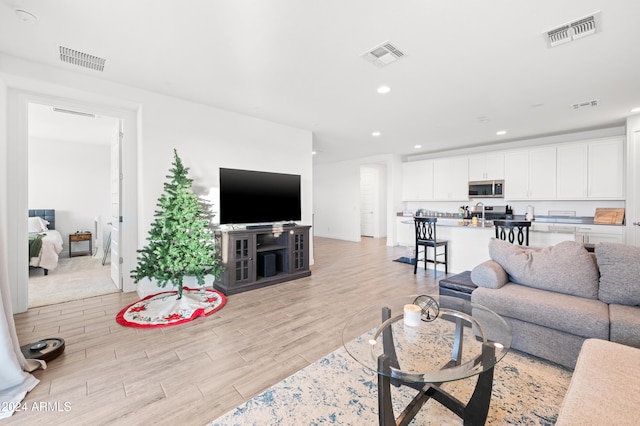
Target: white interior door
{"x": 116, "y": 214}
{"x": 368, "y": 202}
{"x": 633, "y": 192}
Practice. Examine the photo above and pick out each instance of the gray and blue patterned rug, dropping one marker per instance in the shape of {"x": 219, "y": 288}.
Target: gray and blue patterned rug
{"x": 336, "y": 390}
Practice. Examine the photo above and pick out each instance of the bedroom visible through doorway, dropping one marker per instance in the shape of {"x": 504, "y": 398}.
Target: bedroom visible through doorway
{"x": 70, "y": 169}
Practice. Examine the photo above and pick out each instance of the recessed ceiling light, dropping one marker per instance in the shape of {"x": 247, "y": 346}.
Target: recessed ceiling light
{"x": 384, "y": 89}
{"x": 376, "y": 134}
{"x": 417, "y": 146}
{"x": 635, "y": 110}
{"x": 313, "y": 153}
{"x": 501, "y": 132}
{"x": 27, "y": 17}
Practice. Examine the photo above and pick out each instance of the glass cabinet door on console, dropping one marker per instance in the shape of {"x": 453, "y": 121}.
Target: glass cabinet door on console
{"x": 243, "y": 248}
{"x": 300, "y": 261}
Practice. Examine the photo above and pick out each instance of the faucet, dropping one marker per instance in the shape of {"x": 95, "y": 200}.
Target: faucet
{"x": 481, "y": 204}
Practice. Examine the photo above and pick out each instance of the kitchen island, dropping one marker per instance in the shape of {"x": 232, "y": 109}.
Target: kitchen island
{"x": 469, "y": 244}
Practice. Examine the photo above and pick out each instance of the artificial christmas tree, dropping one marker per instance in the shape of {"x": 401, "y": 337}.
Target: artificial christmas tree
{"x": 180, "y": 242}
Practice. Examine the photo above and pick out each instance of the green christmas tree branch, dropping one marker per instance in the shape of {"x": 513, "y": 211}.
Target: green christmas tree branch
{"x": 180, "y": 242}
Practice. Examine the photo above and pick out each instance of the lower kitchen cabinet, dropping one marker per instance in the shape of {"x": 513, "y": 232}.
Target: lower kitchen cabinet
{"x": 600, "y": 234}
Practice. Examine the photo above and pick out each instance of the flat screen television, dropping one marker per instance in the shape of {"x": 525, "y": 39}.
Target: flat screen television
{"x": 248, "y": 196}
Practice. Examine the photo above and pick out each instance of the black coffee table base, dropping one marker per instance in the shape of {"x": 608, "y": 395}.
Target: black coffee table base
{"x": 473, "y": 413}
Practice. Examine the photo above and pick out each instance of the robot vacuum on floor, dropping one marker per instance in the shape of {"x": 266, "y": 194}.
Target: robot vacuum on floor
{"x": 45, "y": 349}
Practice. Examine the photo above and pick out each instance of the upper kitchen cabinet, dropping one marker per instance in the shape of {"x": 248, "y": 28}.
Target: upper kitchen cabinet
{"x": 591, "y": 170}
{"x": 451, "y": 179}
{"x": 606, "y": 169}
{"x": 572, "y": 173}
{"x": 417, "y": 180}
{"x": 486, "y": 166}
{"x": 530, "y": 174}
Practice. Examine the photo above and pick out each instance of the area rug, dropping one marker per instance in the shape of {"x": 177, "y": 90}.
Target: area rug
{"x": 409, "y": 260}
{"x": 75, "y": 278}
{"x": 165, "y": 309}
{"x": 337, "y": 390}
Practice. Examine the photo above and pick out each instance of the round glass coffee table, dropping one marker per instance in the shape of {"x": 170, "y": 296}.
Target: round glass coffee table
{"x": 451, "y": 339}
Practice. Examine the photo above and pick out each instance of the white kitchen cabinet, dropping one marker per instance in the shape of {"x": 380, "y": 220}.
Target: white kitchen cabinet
{"x": 595, "y": 234}
{"x": 451, "y": 179}
{"x": 486, "y": 166}
{"x": 542, "y": 173}
{"x": 591, "y": 170}
{"x": 405, "y": 230}
{"x": 531, "y": 174}
{"x": 572, "y": 164}
{"x": 516, "y": 175}
{"x": 606, "y": 169}
{"x": 417, "y": 180}
{"x": 550, "y": 234}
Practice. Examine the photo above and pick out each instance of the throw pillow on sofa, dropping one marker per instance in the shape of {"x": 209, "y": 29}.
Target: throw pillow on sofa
{"x": 489, "y": 274}
{"x": 619, "y": 271}
{"x": 564, "y": 268}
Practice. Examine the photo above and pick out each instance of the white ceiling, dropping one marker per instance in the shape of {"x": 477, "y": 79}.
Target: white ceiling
{"x": 471, "y": 67}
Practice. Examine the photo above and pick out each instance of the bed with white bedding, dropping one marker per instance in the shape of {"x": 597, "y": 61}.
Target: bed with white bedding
{"x": 42, "y": 227}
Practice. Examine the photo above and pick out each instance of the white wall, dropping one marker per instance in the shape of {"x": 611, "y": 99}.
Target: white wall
{"x": 3, "y": 173}
{"x": 206, "y": 138}
{"x": 336, "y": 201}
{"x": 74, "y": 179}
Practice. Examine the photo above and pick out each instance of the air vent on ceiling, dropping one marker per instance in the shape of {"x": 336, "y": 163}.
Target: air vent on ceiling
{"x": 70, "y": 111}
{"x": 81, "y": 59}
{"x": 573, "y": 30}
{"x": 586, "y": 104}
{"x": 383, "y": 54}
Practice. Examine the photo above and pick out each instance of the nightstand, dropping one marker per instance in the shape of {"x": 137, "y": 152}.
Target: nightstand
{"x": 80, "y": 237}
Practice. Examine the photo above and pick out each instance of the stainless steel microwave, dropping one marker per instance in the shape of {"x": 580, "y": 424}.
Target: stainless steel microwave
{"x": 486, "y": 189}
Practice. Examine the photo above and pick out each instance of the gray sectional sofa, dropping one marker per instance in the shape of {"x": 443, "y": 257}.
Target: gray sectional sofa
{"x": 604, "y": 386}
{"x": 556, "y": 297}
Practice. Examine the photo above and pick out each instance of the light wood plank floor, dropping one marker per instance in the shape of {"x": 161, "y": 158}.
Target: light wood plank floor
{"x": 195, "y": 372}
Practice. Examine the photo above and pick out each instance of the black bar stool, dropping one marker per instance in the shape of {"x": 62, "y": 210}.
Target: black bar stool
{"x": 426, "y": 237}
{"x": 513, "y": 231}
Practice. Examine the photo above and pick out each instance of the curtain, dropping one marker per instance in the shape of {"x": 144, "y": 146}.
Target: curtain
{"x": 15, "y": 382}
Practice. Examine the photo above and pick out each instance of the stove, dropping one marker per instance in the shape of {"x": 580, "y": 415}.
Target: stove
{"x": 492, "y": 212}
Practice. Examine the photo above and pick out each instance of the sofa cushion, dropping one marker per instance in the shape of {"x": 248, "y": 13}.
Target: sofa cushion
{"x": 625, "y": 324}
{"x": 575, "y": 315}
{"x": 604, "y": 386}
{"x": 489, "y": 274}
{"x": 619, "y": 271}
{"x": 564, "y": 268}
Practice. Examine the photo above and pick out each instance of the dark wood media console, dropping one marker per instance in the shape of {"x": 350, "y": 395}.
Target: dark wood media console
{"x": 259, "y": 257}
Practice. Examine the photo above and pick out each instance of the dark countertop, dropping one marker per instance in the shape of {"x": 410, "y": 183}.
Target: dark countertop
{"x": 566, "y": 220}
{"x": 578, "y": 220}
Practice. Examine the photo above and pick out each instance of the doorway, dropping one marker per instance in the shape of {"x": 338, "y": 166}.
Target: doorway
{"x": 71, "y": 168}
{"x": 633, "y": 181}
{"x": 373, "y": 200}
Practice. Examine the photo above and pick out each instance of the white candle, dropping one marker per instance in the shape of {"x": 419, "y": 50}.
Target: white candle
{"x": 412, "y": 315}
